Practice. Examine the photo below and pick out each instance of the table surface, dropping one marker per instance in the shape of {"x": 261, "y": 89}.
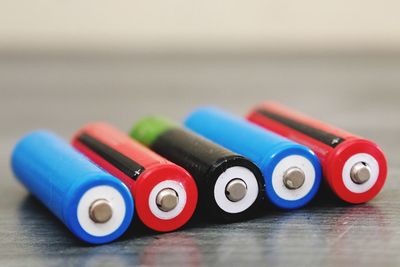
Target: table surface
{"x": 359, "y": 93}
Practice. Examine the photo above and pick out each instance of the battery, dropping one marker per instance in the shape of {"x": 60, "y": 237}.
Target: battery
{"x": 354, "y": 168}
{"x": 93, "y": 204}
{"x": 165, "y": 194}
{"x": 291, "y": 171}
{"x": 230, "y": 186}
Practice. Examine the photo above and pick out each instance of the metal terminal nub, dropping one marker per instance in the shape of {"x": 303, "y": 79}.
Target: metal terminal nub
{"x": 167, "y": 199}
{"x": 360, "y": 173}
{"x": 100, "y": 211}
{"x": 236, "y": 190}
{"x": 294, "y": 178}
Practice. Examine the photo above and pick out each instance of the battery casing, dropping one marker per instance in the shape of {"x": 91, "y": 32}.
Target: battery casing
{"x": 334, "y": 147}
{"x": 142, "y": 171}
{"x": 63, "y": 180}
{"x": 265, "y": 149}
{"x": 209, "y": 164}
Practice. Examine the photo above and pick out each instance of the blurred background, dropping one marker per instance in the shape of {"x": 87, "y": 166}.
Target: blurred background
{"x": 65, "y": 63}
{"x": 206, "y": 27}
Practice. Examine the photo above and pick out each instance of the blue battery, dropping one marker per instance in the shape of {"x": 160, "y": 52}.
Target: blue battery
{"x": 93, "y": 204}
{"x": 292, "y": 172}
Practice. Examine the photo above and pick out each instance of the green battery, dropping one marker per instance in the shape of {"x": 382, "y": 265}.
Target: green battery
{"x": 149, "y": 129}
{"x": 230, "y": 186}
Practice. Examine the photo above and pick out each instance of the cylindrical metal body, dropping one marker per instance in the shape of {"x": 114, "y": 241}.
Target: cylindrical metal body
{"x": 230, "y": 186}
{"x": 165, "y": 194}
{"x": 354, "y": 168}
{"x": 93, "y": 204}
{"x": 291, "y": 171}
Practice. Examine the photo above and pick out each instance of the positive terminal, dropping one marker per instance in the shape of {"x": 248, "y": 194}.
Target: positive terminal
{"x": 167, "y": 199}
{"x": 100, "y": 211}
{"x": 293, "y": 178}
{"x": 236, "y": 190}
{"x": 360, "y": 173}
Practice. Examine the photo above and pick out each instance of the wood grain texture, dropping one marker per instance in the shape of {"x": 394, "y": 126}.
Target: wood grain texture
{"x": 360, "y": 94}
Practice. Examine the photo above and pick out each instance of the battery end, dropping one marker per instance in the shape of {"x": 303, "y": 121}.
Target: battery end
{"x": 167, "y": 199}
{"x": 100, "y": 211}
{"x": 236, "y": 190}
{"x": 293, "y": 178}
{"x": 360, "y": 173}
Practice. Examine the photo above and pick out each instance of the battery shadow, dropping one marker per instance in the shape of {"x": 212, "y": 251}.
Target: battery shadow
{"x": 45, "y": 234}
{"x": 40, "y": 225}
{"x": 326, "y": 224}
{"x": 317, "y": 233}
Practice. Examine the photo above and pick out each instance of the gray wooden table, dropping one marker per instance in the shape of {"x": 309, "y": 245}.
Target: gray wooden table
{"x": 360, "y": 93}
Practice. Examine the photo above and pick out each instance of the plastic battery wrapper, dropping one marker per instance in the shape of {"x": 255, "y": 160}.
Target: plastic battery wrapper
{"x": 165, "y": 194}
{"x": 230, "y": 186}
{"x": 354, "y": 168}
{"x": 93, "y": 204}
{"x": 291, "y": 171}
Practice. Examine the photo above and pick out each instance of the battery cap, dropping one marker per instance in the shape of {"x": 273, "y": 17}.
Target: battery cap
{"x": 360, "y": 173}
{"x": 293, "y": 178}
{"x": 236, "y": 190}
{"x": 100, "y": 211}
{"x": 167, "y": 199}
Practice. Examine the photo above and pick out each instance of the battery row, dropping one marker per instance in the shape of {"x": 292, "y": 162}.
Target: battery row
{"x": 219, "y": 166}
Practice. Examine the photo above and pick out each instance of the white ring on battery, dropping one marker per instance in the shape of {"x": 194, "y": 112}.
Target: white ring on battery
{"x": 236, "y": 172}
{"x": 167, "y": 215}
{"x": 373, "y": 165}
{"x": 289, "y": 162}
{"x": 117, "y": 203}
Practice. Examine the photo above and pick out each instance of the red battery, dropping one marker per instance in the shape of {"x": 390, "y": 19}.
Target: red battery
{"x": 354, "y": 168}
{"x": 165, "y": 194}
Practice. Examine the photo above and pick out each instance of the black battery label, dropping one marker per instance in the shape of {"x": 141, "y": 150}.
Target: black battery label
{"x": 126, "y": 165}
{"x": 189, "y": 150}
{"x": 315, "y": 133}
